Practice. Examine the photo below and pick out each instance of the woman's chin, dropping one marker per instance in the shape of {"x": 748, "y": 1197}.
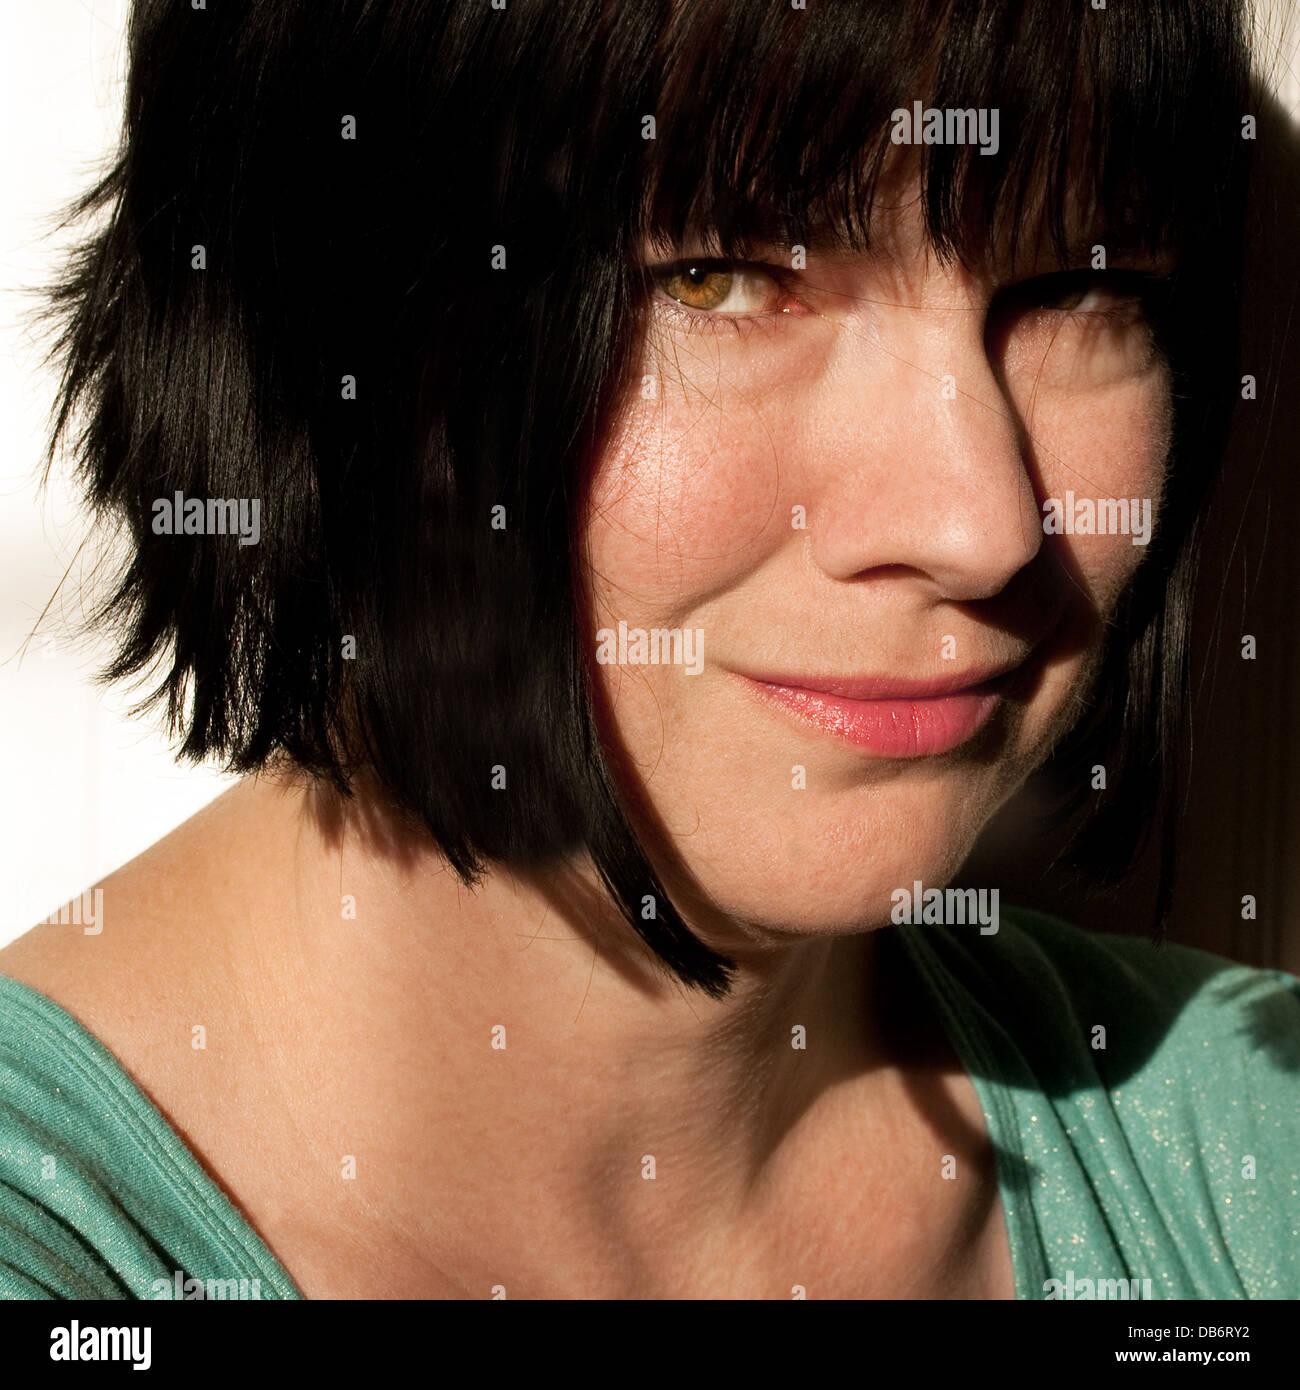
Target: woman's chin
{"x": 835, "y": 862}
{"x": 780, "y": 895}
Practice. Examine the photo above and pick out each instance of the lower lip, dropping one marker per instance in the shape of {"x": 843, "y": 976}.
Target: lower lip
{"x": 917, "y": 728}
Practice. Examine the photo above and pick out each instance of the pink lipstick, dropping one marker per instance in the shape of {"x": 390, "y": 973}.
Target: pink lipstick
{"x": 890, "y": 717}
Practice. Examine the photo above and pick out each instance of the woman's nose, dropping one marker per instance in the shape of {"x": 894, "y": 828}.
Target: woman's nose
{"x": 920, "y": 463}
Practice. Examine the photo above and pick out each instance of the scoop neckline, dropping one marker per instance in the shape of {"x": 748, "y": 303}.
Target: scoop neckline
{"x": 201, "y": 1191}
{"x": 153, "y": 1135}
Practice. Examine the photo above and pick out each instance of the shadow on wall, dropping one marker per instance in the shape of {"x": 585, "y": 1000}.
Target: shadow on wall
{"x": 1239, "y": 829}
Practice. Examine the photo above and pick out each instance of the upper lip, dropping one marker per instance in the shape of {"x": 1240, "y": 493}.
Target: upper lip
{"x": 970, "y": 681}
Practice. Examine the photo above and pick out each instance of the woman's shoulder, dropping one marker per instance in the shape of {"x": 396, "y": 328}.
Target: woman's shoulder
{"x": 142, "y": 960}
{"x": 1191, "y": 997}
{"x": 99, "y": 1197}
{"x": 123, "y": 965}
{"x": 1065, "y": 974}
{"x": 1148, "y": 1096}
{"x": 1130, "y": 1007}
{"x": 103, "y": 1012}
{"x": 46, "y": 1148}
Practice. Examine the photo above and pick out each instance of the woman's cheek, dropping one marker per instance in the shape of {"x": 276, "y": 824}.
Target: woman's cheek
{"x": 689, "y": 496}
{"x": 1100, "y": 461}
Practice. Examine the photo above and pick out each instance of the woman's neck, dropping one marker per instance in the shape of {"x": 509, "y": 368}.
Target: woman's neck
{"x": 519, "y": 1043}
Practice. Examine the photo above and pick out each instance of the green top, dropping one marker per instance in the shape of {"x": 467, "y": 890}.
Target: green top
{"x": 1144, "y": 1106}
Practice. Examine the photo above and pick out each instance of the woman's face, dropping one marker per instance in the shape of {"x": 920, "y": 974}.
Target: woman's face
{"x": 831, "y": 481}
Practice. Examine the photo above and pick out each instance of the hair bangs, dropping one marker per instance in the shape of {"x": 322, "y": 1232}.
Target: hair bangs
{"x": 784, "y": 128}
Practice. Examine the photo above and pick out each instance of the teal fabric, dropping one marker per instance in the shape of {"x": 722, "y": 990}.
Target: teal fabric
{"x": 1170, "y": 1154}
{"x": 98, "y": 1196}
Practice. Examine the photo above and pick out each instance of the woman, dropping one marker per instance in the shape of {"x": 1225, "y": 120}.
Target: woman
{"x": 613, "y": 477}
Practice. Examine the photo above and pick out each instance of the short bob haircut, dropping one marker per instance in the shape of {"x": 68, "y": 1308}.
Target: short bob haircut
{"x": 419, "y": 298}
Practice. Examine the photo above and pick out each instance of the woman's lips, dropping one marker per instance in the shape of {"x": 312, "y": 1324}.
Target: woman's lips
{"x": 892, "y": 718}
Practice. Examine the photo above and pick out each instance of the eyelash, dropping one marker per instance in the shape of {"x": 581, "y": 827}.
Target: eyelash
{"x": 1145, "y": 289}
{"x": 706, "y": 320}
{"x": 1131, "y": 287}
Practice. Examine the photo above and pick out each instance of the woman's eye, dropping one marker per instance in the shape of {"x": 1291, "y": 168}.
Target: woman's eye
{"x": 1077, "y": 329}
{"x": 1087, "y": 292}
{"x": 719, "y": 287}
{"x": 1089, "y": 298}
{"x": 1074, "y": 299}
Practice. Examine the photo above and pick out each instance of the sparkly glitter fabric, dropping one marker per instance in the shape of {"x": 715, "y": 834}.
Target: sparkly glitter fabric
{"x": 1143, "y": 1102}
{"x": 98, "y": 1197}
{"x": 1163, "y": 1150}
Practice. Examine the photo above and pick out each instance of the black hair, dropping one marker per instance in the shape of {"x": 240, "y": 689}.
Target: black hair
{"x": 376, "y": 265}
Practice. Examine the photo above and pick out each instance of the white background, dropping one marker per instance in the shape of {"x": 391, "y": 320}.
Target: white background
{"x": 86, "y": 789}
